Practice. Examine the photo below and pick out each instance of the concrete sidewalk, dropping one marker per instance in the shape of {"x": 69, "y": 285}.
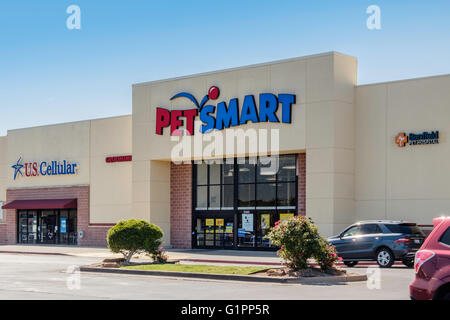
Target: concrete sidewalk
{"x": 192, "y": 255}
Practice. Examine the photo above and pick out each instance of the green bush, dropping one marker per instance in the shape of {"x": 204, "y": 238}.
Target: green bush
{"x": 134, "y": 236}
{"x": 299, "y": 240}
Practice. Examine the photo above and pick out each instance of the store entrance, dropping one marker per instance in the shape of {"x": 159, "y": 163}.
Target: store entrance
{"x": 237, "y": 201}
{"x": 217, "y": 232}
{"x": 47, "y": 227}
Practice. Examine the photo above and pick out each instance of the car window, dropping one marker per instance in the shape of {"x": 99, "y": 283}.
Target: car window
{"x": 445, "y": 238}
{"x": 370, "y": 229}
{"x": 405, "y": 229}
{"x": 353, "y": 231}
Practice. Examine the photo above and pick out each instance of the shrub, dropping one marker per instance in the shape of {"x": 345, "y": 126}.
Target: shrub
{"x": 299, "y": 240}
{"x": 134, "y": 236}
{"x": 160, "y": 256}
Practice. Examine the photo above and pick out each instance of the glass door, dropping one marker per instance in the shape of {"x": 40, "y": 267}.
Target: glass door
{"x": 214, "y": 232}
{"x": 246, "y": 229}
{"x": 27, "y": 227}
{"x": 48, "y": 227}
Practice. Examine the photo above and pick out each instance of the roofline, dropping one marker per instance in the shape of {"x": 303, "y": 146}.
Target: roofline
{"x": 66, "y": 123}
{"x": 256, "y": 65}
{"x": 404, "y": 80}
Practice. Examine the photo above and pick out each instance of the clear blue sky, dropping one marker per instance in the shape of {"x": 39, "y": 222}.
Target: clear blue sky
{"x": 49, "y": 74}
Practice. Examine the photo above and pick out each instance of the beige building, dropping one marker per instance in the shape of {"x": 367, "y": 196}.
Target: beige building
{"x": 347, "y": 153}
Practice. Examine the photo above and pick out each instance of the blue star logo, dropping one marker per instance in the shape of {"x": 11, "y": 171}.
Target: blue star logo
{"x": 18, "y": 168}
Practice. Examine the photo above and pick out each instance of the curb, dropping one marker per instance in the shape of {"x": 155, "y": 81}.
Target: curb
{"x": 362, "y": 263}
{"x": 38, "y": 253}
{"x": 231, "y": 277}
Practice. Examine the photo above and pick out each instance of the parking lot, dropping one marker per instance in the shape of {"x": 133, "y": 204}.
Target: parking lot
{"x": 45, "y": 277}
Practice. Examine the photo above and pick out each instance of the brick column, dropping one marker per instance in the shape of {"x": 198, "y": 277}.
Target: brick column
{"x": 181, "y": 206}
{"x": 301, "y": 171}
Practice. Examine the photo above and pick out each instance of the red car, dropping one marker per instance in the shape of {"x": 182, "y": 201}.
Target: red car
{"x": 432, "y": 265}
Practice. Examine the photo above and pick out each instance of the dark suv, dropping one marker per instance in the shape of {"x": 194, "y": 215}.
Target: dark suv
{"x": 382, "y": 241}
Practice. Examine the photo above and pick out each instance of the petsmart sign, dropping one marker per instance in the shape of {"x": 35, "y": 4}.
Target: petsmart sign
{"x": 44, "y": 168}
{"x": 224, "y": 114}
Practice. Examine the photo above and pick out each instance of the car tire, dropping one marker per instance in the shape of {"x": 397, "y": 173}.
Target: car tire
{"x": 446, "y": 296}
{"x": 350, "y": 263}
{"x": 385, "y": 258}
{"x": 408, "y": 262}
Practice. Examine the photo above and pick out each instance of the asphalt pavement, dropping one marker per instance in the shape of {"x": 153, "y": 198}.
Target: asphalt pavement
{"x": 25, "y": 276}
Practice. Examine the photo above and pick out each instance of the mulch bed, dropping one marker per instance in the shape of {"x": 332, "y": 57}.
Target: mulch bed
{"x": 306, "y": 273}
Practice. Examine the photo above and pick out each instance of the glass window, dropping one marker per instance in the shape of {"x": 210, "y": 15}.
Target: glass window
{"x": 202, "y": 174}
{"x": 266, "y": 195}
{"x": 370, "y": 229}
{"x": 267, "y": 169}
{"x": 445, "y": 238}
{"x": 228, "y": 173}
{"x": 246, "y": 195}
{"x": 202, "y": 197}
{"x": 214, "y": 196}
{"x": 405, "y": 229}
{"x": 228, "y": 196}
{"x": 287, "y": 168}
{"x": 214, "y": 174}
{"x": 353, "y": 231}
{"x": 286, "y": 194}
{"x": 246, "y": 173}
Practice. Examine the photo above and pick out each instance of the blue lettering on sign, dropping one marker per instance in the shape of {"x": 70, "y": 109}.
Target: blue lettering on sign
{"x": 268, "y": 106}
{"x": 286, "y": 100}
{"x": 249, "y": 112}
{"x": 208, "y": 120}
{"x": 227, "y": 115}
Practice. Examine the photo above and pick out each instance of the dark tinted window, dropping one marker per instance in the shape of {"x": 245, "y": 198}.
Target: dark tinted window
{"x": 446, "y": 237}
{"x": 370, "y": 229}
{"x": 404, "y": 228}
{"x": 353, "y": 231}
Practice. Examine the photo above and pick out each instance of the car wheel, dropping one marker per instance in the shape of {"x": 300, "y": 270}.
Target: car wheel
{"x": 385, "y": 258}
{"x": 350, "y": 263}
{"x": 408, "y": 262}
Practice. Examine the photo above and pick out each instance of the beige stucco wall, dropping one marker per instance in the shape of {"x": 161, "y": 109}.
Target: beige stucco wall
{"x": 322, "y": 124}
{"x": 3, "y": 172}
{"x": 86, "y": 143}
{"x": 46, "y": 143}
{"x": 110, "y": 182}
{"x": 411, "y": 183}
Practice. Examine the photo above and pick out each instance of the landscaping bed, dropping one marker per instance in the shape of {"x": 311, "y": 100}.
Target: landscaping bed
{"x": 311, "y": 275}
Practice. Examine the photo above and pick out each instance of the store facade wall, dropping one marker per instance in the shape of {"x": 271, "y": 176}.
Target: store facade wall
{"x": 322, "y": 129}
{"x": 68, "y": 161}
{"x": 402, "y": 183}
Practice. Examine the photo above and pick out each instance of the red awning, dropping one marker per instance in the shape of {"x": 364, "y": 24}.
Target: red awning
{"x": 42, "y": 204}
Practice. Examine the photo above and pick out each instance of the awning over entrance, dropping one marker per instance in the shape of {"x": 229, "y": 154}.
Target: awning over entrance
{"x": 42, "y": 204}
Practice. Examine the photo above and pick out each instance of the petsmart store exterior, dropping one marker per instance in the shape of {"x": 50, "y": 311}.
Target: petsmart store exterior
{"x": 216, "y": 159}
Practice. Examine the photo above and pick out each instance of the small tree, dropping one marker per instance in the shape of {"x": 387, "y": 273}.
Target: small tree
{"x": 134, "y": 236}
{"x": 299, "y": 240}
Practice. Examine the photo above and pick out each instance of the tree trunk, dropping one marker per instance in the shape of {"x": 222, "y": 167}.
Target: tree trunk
{"x": 128, "y": 257}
